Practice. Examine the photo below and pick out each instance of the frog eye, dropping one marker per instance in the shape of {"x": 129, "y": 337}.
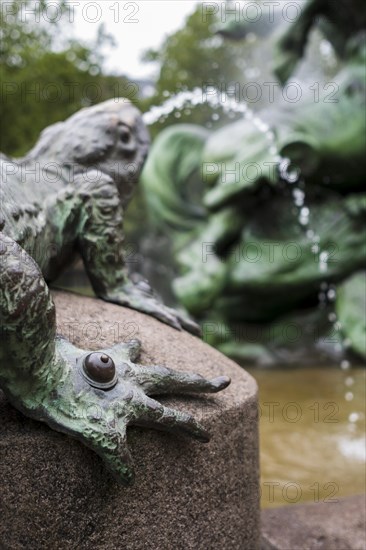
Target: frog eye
{"x": 99, "y": 370}
{"x": 125, "y": 135}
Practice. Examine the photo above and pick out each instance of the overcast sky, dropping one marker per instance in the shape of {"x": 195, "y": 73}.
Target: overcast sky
{"x": 136, "y": 26}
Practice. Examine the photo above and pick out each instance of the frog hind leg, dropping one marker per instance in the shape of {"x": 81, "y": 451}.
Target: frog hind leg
{"x": 27, "y": 318}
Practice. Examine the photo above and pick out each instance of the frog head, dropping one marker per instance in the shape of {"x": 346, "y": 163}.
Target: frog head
{"x": 110, "y": 137}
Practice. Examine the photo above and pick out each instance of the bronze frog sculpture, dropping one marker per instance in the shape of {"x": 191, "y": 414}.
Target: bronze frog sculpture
{"x": 68, "y": 196}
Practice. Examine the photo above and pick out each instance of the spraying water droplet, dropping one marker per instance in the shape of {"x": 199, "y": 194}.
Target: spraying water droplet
{"x": 354, "y": 417}
{"x": 213, "y": 97}
{"x": 299, "y": 197}
{"x": 323, "y": 262}
{"x": 304, "y": 215}
{"x": 331, "y": 294}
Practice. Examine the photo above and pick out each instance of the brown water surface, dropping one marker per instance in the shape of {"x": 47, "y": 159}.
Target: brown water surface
{"x": 312, "y": 433}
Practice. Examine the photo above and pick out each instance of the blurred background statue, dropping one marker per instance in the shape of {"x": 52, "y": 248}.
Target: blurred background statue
{"x": 267, "y": 215}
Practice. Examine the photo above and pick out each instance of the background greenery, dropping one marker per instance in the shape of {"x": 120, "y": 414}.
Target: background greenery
{"x": 47, "y": 75}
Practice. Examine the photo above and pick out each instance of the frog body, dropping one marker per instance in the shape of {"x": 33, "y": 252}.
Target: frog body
{"x": 66, "y": 197}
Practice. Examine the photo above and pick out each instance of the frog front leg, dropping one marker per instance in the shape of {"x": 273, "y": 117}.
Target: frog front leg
{"x": 101, "y": 244}
{"x": 92, "y": 396}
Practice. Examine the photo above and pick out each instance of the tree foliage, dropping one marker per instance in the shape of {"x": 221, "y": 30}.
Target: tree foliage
{"x": 194, "y": 57}
{"x": 46, "y": 75}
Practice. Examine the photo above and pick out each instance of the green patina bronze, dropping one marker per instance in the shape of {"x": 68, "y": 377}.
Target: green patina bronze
{"x": 243, "y": 255}
{"x": 65, "y": 197}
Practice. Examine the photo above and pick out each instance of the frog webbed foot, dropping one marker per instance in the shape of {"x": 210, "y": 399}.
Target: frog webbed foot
{"x": 104, "y": 392}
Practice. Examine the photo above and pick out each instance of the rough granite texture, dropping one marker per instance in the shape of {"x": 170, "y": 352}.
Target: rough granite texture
{"x": 337, "y": 525}
{"x": 56, "y": 494}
